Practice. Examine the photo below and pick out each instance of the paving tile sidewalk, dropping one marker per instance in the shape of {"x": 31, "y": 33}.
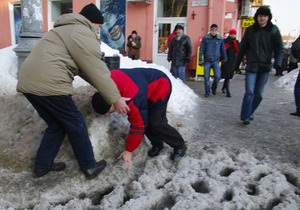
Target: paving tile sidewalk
{"x": 273, "y": 132}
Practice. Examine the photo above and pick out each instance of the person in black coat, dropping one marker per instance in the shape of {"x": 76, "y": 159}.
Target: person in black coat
{"x": 261, "y": 42}
{"x": 231, "y": 47}
{"x": 295, "y": 51}
{"x": 179, "y": 53}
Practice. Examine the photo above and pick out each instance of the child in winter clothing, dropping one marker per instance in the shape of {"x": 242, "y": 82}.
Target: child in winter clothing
{"x": 149, "y": 91}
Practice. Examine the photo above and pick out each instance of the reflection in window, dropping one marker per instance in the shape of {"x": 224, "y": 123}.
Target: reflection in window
{"x": 172, "y": 8}
{"x": 163, "y": 32}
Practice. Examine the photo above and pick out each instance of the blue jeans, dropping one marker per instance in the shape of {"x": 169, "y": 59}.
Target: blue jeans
{"x": 255, "y": 83}
{"x": 179, "y": 72}
{"x": 217, "y": 75}
{"x": 62, "y": 117}
{"x": 297, "y": 93}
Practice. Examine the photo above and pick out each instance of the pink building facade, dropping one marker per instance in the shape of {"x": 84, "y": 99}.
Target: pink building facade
{"x": 152, "y": 19}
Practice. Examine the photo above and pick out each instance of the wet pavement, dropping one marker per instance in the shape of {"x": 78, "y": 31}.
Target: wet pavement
{"x": 273, "y": 132}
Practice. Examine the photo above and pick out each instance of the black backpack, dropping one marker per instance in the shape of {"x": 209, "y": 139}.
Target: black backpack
{"x": 296, "y": 48}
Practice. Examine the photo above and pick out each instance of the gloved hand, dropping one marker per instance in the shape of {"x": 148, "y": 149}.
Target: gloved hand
{"x": 200, "y": 63}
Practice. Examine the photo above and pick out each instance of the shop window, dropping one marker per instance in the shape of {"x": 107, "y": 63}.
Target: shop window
{"x": 172, "y": 8}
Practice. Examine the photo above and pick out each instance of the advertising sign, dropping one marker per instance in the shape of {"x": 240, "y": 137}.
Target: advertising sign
{"x": 113, "y": 29}
{"x": 247, "y": 22}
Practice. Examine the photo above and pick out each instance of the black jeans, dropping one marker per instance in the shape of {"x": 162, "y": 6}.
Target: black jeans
{"x": 159, "y": 131}
{"x": 62, "y": 117}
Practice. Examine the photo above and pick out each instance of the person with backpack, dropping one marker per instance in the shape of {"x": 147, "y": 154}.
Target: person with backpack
{"x": 296, "y": 53}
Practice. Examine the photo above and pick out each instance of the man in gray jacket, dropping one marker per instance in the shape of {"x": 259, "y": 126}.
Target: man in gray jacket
{"x": 46, "y": 76}
{"x": 260, "y": 43}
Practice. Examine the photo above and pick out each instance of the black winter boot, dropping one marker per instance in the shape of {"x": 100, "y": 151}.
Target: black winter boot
{"x": 224, "y": 86}
{"x": 227, "y": 89}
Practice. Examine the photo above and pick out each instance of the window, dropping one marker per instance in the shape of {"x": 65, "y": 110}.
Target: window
{"x": 60, "y": 7}
{"x": 17, "y": 21}
{"x": 172, "y": 8}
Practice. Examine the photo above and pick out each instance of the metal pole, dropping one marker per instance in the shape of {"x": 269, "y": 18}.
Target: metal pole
{"x": 32, "y": 28}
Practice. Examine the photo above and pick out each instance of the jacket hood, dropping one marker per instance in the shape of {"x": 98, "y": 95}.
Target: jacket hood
{"x": 263, "y": 10}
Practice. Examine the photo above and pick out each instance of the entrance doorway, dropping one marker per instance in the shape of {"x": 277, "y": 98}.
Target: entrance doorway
{"x": 168, "y": 14}
{"x": 163, "y": 28}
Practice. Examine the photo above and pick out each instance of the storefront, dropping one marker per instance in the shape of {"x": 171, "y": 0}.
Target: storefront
{"x": 154, "y": 20}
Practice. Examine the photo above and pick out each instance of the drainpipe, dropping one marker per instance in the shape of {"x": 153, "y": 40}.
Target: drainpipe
{"x": 210, "y": 13}
{"x": 221, "y": 27}
{"x": 32, "y": 28}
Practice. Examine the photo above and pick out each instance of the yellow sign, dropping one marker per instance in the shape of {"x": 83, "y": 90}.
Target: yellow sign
{"x": 247, "y": 22}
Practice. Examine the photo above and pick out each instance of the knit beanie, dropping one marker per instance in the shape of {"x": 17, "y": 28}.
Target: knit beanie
{"x": 99, "y": 104}
{"x": 232, "y": 31}
{"x": 178, "y": 26}
{"x": 213, "y": 27}
{"x": 92, "y": 13}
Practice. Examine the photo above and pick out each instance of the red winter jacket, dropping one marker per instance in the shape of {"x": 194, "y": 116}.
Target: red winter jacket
{"x": 148, "y": 89}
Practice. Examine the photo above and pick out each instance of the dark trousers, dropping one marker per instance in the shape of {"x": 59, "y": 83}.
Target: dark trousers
{"x": 159, "y": 131}
{"x": 62, "y": 117}
{"x": 297, "y": 93}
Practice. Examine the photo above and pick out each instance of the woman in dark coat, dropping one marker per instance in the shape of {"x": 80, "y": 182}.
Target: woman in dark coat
{"x": 231, "y": 47}
{"x": 134, "y": 45}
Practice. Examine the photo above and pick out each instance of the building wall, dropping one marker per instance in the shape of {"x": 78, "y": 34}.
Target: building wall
{"x": 5, "y": 30}
{"x": 140, "y": 17}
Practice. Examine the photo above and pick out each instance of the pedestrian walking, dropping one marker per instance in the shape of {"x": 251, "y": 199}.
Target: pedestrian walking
{"x": 261, "y": 41}
{"x": 179, "y": 53}
{"x": 211, "y": 49}
{"x": 296, "y": 53}
{"x": 227, "y": 69}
